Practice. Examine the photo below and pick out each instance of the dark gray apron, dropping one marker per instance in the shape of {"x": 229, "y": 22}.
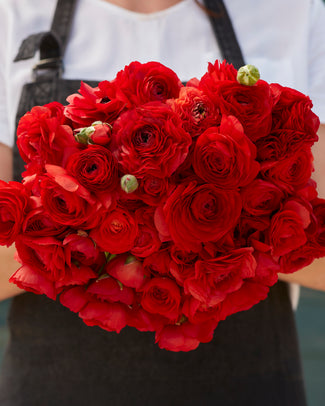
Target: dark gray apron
{"x": 54, "y": 359}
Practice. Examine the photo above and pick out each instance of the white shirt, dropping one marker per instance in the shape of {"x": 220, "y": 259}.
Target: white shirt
{"x": 284, "y": 39}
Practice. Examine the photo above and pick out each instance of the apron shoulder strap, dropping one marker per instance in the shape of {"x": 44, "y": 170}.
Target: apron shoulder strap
{"x": 224, "y": 32}
{"x": 51, "y": 44}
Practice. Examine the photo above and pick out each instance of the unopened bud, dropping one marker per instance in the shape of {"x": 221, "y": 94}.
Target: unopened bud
{"x": 248, "y": 75}
{"x": 129, "y": 183}
{"x": 102, "y": 133}
{"x": 97, "y": 133}
{"x": 83, "y": 135}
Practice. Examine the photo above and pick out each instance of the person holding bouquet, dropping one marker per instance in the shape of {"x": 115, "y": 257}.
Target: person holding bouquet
{"x": 253, "y": 358}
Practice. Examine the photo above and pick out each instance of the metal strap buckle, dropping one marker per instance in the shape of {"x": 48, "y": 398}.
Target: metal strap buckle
{"x": 48, "y": 67}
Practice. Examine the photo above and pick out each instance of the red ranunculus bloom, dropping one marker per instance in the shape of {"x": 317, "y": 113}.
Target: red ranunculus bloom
{"x": 128, "y": 270}
{"x": 185, "y": 337}
{"x": 93, "y": 104}
{"x": 31, "y": 279}
{"x": 196, "y": 109}
{"x": 252, "y": 105}
{"x": 108, "y": 316}
{"x": 13, "y": 209}
{"x": 261, "y": 198}
{"x": 147, "y": 240}
{"x": 215, "y": 278}
{"x": 95, "y": 168}
{"x": 162, "y": 296}
{"x": 200, "y": 213}
{"x": 66, "y": 201}
{"x": 141, "y": 83}
{"x": 116, "y": 231}
{"x": 287, "y": 230}
{"x": 292, "y": 110}
{"x": 291, "y": 173}
{"x": 43, "y": 136}
{"x": 150, "y": 140}
{"x": 224, "y": 156}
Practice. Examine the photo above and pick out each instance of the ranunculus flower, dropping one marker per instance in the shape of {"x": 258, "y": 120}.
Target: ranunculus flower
{"x": 66, "y": 201}
{"x": 75, "y": 275}
{"x": 215, "y": 278}
{"x": 251, "y": 229}
{"x": 185, "y": 337}
{"x": 93, "y": 104}
{"x": 287, "y": 229}
{"x": 31, "y": 279}
{"x": 54, "y": 262}
{"x": 128, "y": 270}
{"x": 157, "y": 264}
{"x": 242, "y": 299}
{"x": 139, "y": 83}
{"x": 153, "y": 190}
{"x": 273, "y": 147}
{"x": 309, "y": 191}
{"x": 200, "y": 213}
{"x": 147, "y": 240}
{"x": 110, "y": 290}
{"x": 291, "y": 173}
{"x": 280, "y": 144}
{"x": 196, "y": 109}
{"x": 173, "y": 338}
{"x": 75, "y": 298}
{"x": 81, "y": 250}
{"x": 45, "y": 253}
{"x": 316, "y": 232}
{"x": 43, "y": 136}
{"x": 150, "y": 140}
{"x": 299, "y": 258}
{"x": 108, "y": 316}
{"x": 217, "y": 72}
{"x": 162, "y": 296}
{"x": 116, "y": 231}
{"x": 145, "y": 321}
{"x": 13, "y": 209}
{"x": 292, "y": 110}
{"x": 95, "y": 168}
{"x": 267, "y": 268}
{"x": 261, "y": 198}
{"x": 224, "y": 156}
{"x": 252, "y": 105}
{"x": 197, "y": 312}
{"x": 182, "y": 265}
{"x": 38, "y": 223}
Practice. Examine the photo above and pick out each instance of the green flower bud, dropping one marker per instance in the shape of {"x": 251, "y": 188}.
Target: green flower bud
{"x": 129, "y": 183}
{"x": 84, "y": 134}
{"x": 248, "y": 75}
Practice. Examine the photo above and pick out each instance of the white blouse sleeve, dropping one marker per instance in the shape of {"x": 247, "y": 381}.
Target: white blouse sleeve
{"x": 5, "y": 44}
{"x": 317, "y": 58}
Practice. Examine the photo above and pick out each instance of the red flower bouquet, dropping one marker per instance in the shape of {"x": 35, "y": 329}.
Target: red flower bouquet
{"x": 161, "y": 206}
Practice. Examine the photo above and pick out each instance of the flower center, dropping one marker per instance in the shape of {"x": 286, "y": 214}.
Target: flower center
{"x": 116, "y": 227}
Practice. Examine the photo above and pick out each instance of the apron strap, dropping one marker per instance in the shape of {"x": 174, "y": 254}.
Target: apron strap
{"x": 51, "y": 44}
{"x": 224, "y": 32}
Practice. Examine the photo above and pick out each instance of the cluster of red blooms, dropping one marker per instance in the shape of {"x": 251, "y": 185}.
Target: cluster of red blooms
{"x": 215, "y": 199}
